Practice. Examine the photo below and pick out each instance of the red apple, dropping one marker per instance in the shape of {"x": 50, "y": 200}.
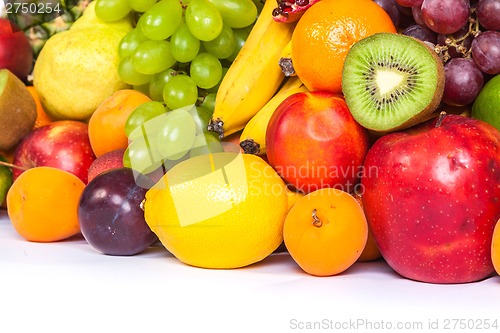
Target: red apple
{"x": 62, "y": 144}
{"x": 16, "y": 53}
{"x": 314, "y": 142}
{"x": 432, "y": 197}
{"x": 110, "y": 160}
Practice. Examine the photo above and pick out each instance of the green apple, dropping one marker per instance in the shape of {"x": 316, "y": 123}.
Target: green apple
{"x": 487, "y": 104}
{"x": 5, "y": 180}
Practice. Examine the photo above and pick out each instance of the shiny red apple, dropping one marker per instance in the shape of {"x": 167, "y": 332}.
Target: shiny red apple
{"x": 313, "y": 142}
{"x": 16, "y": 53}
{"x": 62, "y": 144}
{"x": 432, "y": 198}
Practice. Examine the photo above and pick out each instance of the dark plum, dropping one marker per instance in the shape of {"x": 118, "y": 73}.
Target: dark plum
{"x": 110, "y": 214}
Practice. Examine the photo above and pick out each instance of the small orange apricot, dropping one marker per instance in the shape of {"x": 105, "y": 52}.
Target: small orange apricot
{"x": 495, "y": 247}
{"x": 107, "y": 123}
{"x": 42, "y": 118}
{"x": 42, "y": 204}
{"x": 325, "y": 231}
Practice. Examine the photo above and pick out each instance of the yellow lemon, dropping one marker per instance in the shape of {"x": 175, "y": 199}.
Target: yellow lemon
{"x": 223, "y": 210}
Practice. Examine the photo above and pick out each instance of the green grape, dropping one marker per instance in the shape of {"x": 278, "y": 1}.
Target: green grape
{"x": 129, "y": 75}
{"x": 112, "y": 10}
{"x": 180, "y": 91}
{"x": 158, "y": 82}
{"x": 161, "y": 20}
{"x": 142, "y": 155}
{"x": 143, "y": 88}
{"x": 153, "y": 56}
{"x": 223, "y": 45}
{"x": 176, "y": 134}
{"x": 209, "y": 102}
{"x": 206, "y": 70}
{"x": 203, "y": 19}
{"x": 129, "y": 43}
{"x": 141, "y": 114}
{"x": 236, "y": 13}
{"x": 216, "y": 87}
{"x": 240, "y": 36}
{"x": 141, "y": 5}
{"x": 206, "y": 143}
{"x": 201, "y": 117}
{"x": 185, "y": 46}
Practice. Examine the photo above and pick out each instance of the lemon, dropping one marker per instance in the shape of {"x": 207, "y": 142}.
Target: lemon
{"x": 223, "y": 210}
{"x": 77, "y": 69}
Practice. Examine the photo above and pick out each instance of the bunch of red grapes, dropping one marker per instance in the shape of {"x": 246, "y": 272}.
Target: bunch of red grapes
{"x": 465, "y": 34}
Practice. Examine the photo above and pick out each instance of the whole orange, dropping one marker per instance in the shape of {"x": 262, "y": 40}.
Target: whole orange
{"x": 326, "y": 32}
{"x": 325, "y": 231}
{"x": 42, "y": 204}
{"x": 107, "y": 123}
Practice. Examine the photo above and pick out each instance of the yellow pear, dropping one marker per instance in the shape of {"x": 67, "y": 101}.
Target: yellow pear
{"x": 77, "y": 69}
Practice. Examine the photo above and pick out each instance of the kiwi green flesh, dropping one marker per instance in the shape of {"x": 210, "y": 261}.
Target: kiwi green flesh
{"x": 17, "y": 110}
{"x": 391, "y": 81}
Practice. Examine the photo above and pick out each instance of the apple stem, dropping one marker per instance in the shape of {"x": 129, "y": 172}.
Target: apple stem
{"x": 316, "y": 221}
{"x": 441, "y": 116}
{"x": 13, "y": 166}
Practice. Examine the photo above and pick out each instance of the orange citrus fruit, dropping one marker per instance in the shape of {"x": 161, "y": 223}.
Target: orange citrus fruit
{"x": 325, "y": 231}
{"x": 326, "y": 32}
{"x": 42, "y": 118}
{"x": 495, "y": 247}
{"x": 42, "y": 204}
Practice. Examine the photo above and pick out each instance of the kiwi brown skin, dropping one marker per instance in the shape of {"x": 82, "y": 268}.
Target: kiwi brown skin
{"x": 430, "y": 110}
{"x": 17, "y": 111}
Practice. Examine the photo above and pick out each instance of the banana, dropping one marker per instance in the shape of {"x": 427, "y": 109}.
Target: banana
{"x": 254, "y": 76}
{"x": 285, "y": 61}
{"x": 253, "y": 137}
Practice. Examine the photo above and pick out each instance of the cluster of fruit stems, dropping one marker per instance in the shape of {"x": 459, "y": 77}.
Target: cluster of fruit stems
{"x": 457, "y": 43}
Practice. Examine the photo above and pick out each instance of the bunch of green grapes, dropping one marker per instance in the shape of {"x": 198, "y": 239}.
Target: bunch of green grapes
{"x": 179, "y": 51}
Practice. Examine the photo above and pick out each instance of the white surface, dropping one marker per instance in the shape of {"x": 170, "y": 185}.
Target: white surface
{"x": 69, "y": 287}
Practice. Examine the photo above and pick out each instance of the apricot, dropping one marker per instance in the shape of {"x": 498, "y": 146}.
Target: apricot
{"x": 42, "y": 204}
{"x": 107, "y": 123}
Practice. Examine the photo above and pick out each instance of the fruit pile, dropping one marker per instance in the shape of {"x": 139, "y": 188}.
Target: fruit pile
{"x": 336, "y": 130}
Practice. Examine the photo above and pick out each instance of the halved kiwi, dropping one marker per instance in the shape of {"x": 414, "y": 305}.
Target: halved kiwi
{"x": 391, "y": 81}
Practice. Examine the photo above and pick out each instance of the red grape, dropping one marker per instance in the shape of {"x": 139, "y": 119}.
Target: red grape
{"x": 486, "y": 51}
{"x": 422, "y": 33}
{"x": 463, "y": 81}
{"x": 417, "y": 15}
{"x": 110, "y": 215}
{"x": 410, "y": 3}
{"x": 445, "y": 16}
{"x": 390, "y": 8}
{"x": 488, "y": 14}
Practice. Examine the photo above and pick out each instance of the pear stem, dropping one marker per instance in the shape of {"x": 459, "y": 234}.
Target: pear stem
{"x": 316, "y": 221}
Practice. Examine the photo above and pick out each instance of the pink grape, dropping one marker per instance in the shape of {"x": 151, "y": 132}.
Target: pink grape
{"x": 486, "y": 51}
{"x": 417, "y": 15}
{"x": 463, "y": 81}
{"x": 445, "y": 16}
{"x": 488, "y": 14}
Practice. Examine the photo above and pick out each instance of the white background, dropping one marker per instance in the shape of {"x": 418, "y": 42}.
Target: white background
{"x": 69, "y": 287}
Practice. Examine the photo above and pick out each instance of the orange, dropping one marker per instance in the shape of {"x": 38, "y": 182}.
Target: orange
{"x": 325, "y": 231}
{"x": 107, "y": 123}
{"x": 495, "y": 247}
{"x": 42, "y": 118}
{"x": 324, "y": 35}
{"x": 42, "y": 204}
